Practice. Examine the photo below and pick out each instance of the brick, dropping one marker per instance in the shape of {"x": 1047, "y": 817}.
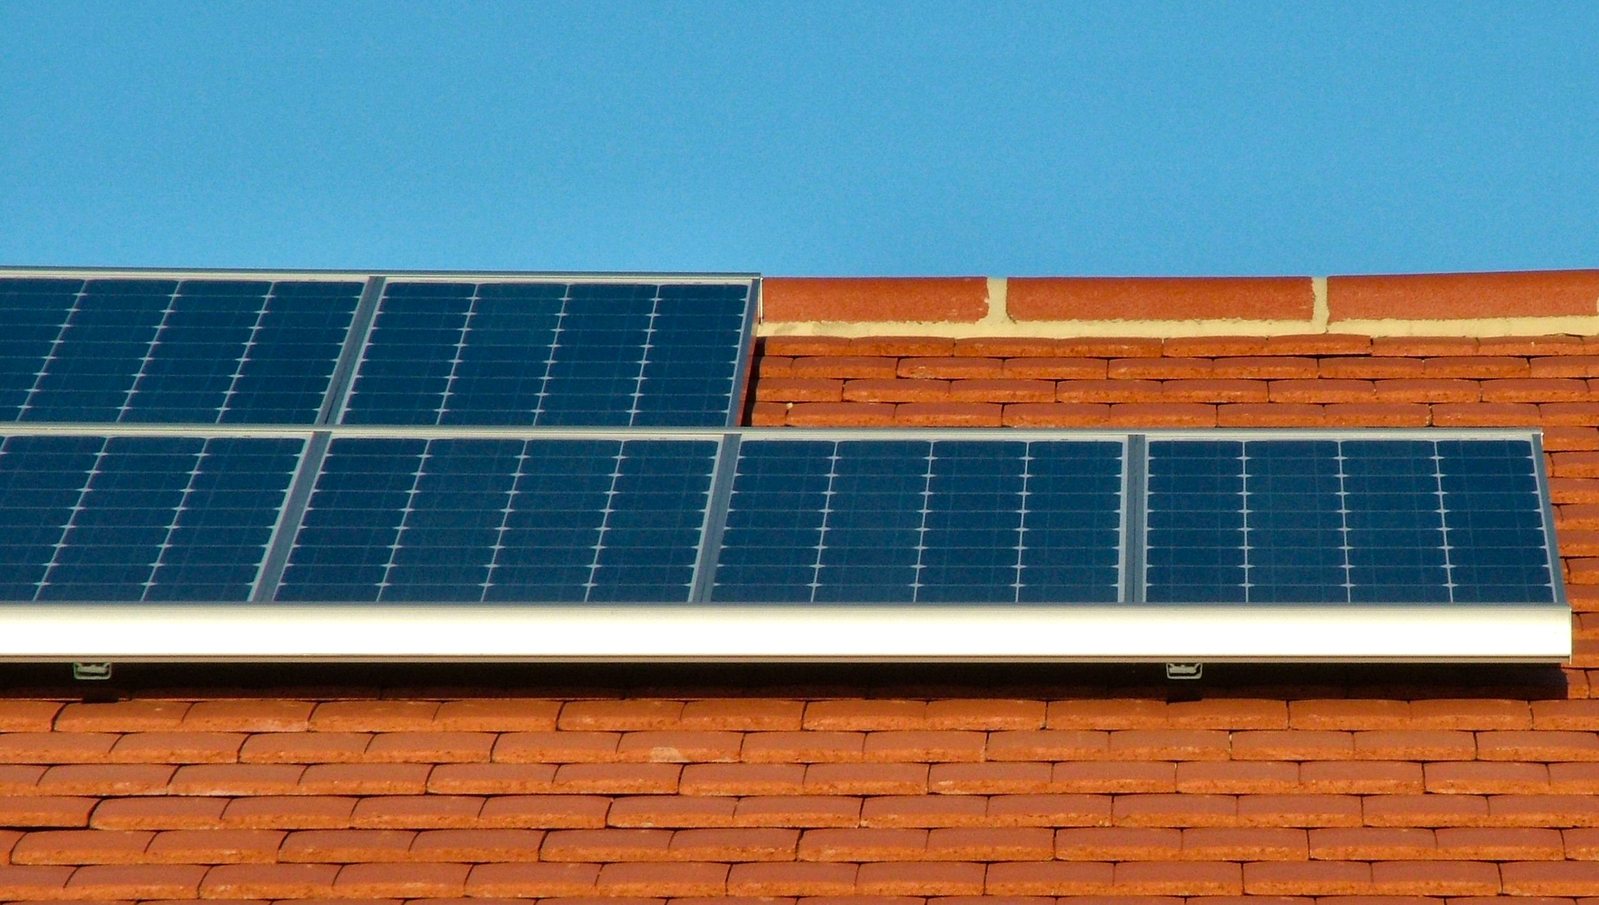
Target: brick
{"x": 215, "y": 846}
{"x": 1162, "y": 299}
{"x": 793, "y": 879}
{"x": 1565, "y": 714}
{"x": 1179, "y": 878}
{"x": 990, "y": 778}
{"x": 959, "y": 299}
{"x": 371, "y": 779}
{"x": 804, "y": 389}
{"x": 1060, "y": 414}
{"x": 991, "y": 844}
{"x": 1307, "y": 878}
{"x": 1322, "y": 389}
{"x": 1048, "y": 878}
{"x": 1539, "y": 745}
{"x": 1114, "y": 776}
{"x": 686, "y": 879}
{"x": 248, "y": 716}
{"x": 927, "y": 811}
{"x": 1244, "y": 844}
{"x": 617, "y": 779}
{"x": 1056, "y": 368}
{"x": 44, "y": 810}
{"x": 121, "y": 716}
{"x": 1448, "y": 296}
{"x": 430, "y": 747}
{"x": 606, "y": 845}
{"x": 1161, "y": 369}
{"x": 1292, "y": 744}
{"x": 379, "y": 880}
{"x": 106, "y": 779}
{"x": 863, "y": 844}
{"x": 1383, "y": 368}
{"x": 1299, "y": 810}
{"x": 1361, "y": 777}
{"x": 985, "y": 714}
{"x": 1563, "y": 365}
{"x": 798, "y": 810}
{"x": 1233, "y": 777}
{"x": 1486, "y": 414}
{"x": 1120, "y": 843}
{"x": 953, "y": 368}
{"x": 236, "y": 779}
{"x": 928, "y": 745}
{"x": 840, "y": 414}
{"x": 1151, "y": 415}
{"x": 1415, "y": 744}
{"x": 678, "y": 746}
{"x": 269, "y": 881}
{"x": 1425, "y": 810}
{"x": 1535, "y": 389}
{"x": 1549, "y": 878}
{"x": 177, "y": 747}
{"x": 304, "y": 747}
{"x": 144, "y": 881}
{"x": 924, "y": 878}
{"x": 742, "y": 779}
{"x": 1180, "y": 810}
{"x": 158, "y": 814}
{"x": 1370, "y": 843}
{"x": 1168, "y": 744}
{"x": 1488, "y": 777}
{"x": 866, "y": 779}
{"x": 806, "y": 746}
{"x": 1543, "y": 810}
{"x": 671, "y": 811}
{"x": 28, "y": 716}
{"x": 1102, "y": 391}
{"x": 1475, "y": 367}
{"x": 949, "y": 414}
{"x": 552, "y": 811}
{"x": 526, "y": 880}
{"x": 81, "y": 847}
{"x": 345, "y": 846}
{"x": 557, "y": 746}
{"x": 1048, "y": 745}
{"x": 290, "y": 812}
{"x": 1274, "y": 414}
{"x": 1212, "y": 390}
{"x": 55, "y": 747}
{"x": 1434, "y": 878}
{"x": 1500, "y": 844}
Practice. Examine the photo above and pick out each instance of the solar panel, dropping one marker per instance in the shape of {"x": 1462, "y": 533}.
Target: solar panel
{"x": 453, "y": 520}
{"x": 160, "y": 350}
{"x": 547, "y": 354}
{"x": 1346, "y": 521}
{"x": 923, "y": 521}
{"x": 138, "y": 518}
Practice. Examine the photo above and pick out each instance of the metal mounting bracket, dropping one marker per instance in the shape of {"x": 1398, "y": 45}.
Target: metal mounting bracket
{"x": 1184, "y": 671}
{"x": 91, "y": 672}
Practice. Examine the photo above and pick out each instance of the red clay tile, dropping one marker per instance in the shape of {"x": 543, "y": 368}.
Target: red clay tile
{"x": 1168, "y": 744}
{"x": 927, "y": 811}
{"x": 1244, "y": 844}
{"x": 923, "y": 746}
{"x": 791, "y": 879}
{"x": 1500, "y": 844}
{"x": 768, "y": 414}
{"x": 1361, "y": 368}
{"x": 34, "y": 882}
{"x": 901, "y": 346}
{"x": 248, "y": 716}
{"x": 121, "y": 716}
{"x": 81, "y": 847}
{"x": 741, "y": 714}
{"x": 1101, "y": 391}
{"x": 1213, "y": 346}
{"x": 1535, "y": 389}
{"x": 1361, "y": 777}
{"x": 1549, "y": 878}
{"x": 1267, "y": 367}
{"x": 269, "y": 881}
{"x": 1109, "y": 346}
{"x": 1274, "y": 414}
{"x": 1539, "y": 745}
{"x": 954, "y": 368}
{"x": 1120, "y": 843}
{"x": 527, "y": 880}
{"x": 476, "y": 845}
{"x": 45, "y": 810}
{"x": 430, "y": 747}
{"x": 685, "y": 879}
{"x": 551, "y": 811}
{"x": 304, "y": 747}
{"x": 1108, "y": 713}
{"x": 557, "y": 746}
{"x": 1299, "y": 810}
{"x": 1151, "y": 415}
{"x": 1048, "y": 745}
{"x": 798, "y": 810}
{"x": 236, "y": 779}
{"x": 28, "y": 716}
{"x": 890, "y": 389}
{"x": 417, "y": 812}
{"x": 742, "y": 779}
{"x": 1056, "y": 368}
{"x": 1434, "y": 878}
{"x": 1564, "y": 365}
{"x": 767, "y": 363}
{"x": 496, "y": 715}
{"x": 215, "y": 846}
{"x": 991, "y": 844}
{"x": 748, "y": 844}
{"x": 1233, "y": 777}
{"x": 1060, "y": 414}
{"x": 866, "y": 779}
{"x": 20, "y": 779}
{"x": 366, "y": 779}
{"x": 1292, "y": 744}
{"x": 345, "y": 846}
{"x": 806, "y": 345}
{"x": 487, "y": 779}
{"x": 1319, "y": 344}
{"x": 56, "y": 747}
{"x": 378, "y": 880}
{"x": 1322, "y": 390}
{"x": 840, "y": 414}
{"x": 1415, "y": 744}
{"x": 143, "y": 881}
{"x": 1428, "y": 389}
{"x": 1489, "y": 777}
{"x": 1422, "y": 346}
{"x": 606, "y": 845}
{"x": 802, "y": 389}
{"x": 1002, "y": 389}
{"x": 1565, "y": 714}
{"x": 961, "y": 299}
{"x": 949, "y": 414}
{"x": 1575, "y": 414}
{"x": 1579, "y": 843}
{"x": 865, "y": 714}
{"x": 1197, "y": 878}
{"x": 1443, "y": 296}
{"x": 155, "y": 814}
{"x": 1163, "y": 369}
{"x": 1047, "y": 878}
{"x": 679, "y": 746}
{"x": 1543, "y": 810}
{"x": 985, "y": 713}
{"x": 1145, "y": 298}
{"x": 1114, "y": 776}
{"x": 990, "y": 778}
{"x": 1317, "y": 878}
{"x": 1552, "y": 344}
{"x": 1179, "y": 810}
{"x": 671, "y": 811}
{"x": 807, "y": 746}
{"x": 924, "y": 878}
{"x": 1371, "y": 843}
{"x": 177, "y": 747}
{"x": 290, "y": 812}
{"x": 1425, "y": 810}
{"x": 620, "y": 715}
{"x": 863, "y": 844}
{"x": 374, "y": 716}
{"x": 1212, "y": 390}
{"x": 1476, "y": 367}
{"x": 106, "y": 779}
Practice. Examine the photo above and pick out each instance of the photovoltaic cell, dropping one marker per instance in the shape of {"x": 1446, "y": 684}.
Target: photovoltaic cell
{"x": 148, "y": 350}
{"x": 551, "y": 355}
{"x": 119, "y": 519}
{"x": 917, "y": 521}
{"x": 1345, "y": 521}
{"x": 503, "y": 520}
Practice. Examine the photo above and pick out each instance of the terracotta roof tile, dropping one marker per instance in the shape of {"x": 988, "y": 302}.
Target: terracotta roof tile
{"x": 145, "y": 881}
{"x": 1361, "y": 368}
{"x": 1299, "y": 810}
{"x": 796, "y": 346}
{"x": 1114, "y": 776}
{"x": 291, "y": 812}
{"x": 798, "y": 810}
{"x": 1196, "y": 878}
{"x": 883, "y": 389}
{"x": 1004, "y": 347}
{"x": 809, "y": 746}
{"x": 540, "y": 879}
{"x": 121, "y": 716}
{"x": 801, "y": 389}
{"x": 742, "y": 779}
{"x": 1177, "y": 298}
{"x": 43, "y": 747}
{"x": 792, "y": 879}
{"x": 469, "y": 778}
{"x": 1549, "y": 878}
{"x": 671, "y": 811}
{"x": 949, "y": 414}
{"x": 992, "y": 778}
{"x": 1361, "y": 777}
{"x": 1486, "y": 777}
{"x": 1168, "y": 744}
{"x": 866, "y": 778}
{"x": 840, "y": 414}
{"x": 1057, "y": 368}
{"x": 985, "y": 713}
{"x": 1427, "y": 810}
{"x": 1151, "y": 415}
{"x": 216, "y": 846}
{"x": 1233, "y": 777}
{"x": 924, "y": 746}
{"x": 106, "y": 779}
{"x": 81, "y": 847}
{"x": 1586, "y": 365}
{"x": 269, "y": 881}
{"x": 925, "y": 811}
{"x": 910, "y": 299}
{"x": 617, "y": 779}
{"x": 152, "y": 814}
{"x": 1056, "y": 415}
{"x": 1118, "y": 844}
{"x": 1048, "y": 744}
{"x": 1318, "y": 878}
{"x": 248, "y": 716}
{"x": 991, "y": 844}
{"x": 304, "y": 747}
{"x": 1244, "y": 844}
{"x": 1047, "y": 878}
{"x": 680, "y": 746}
{"x": 863, "y": 844}
{"x": 1180, "y": 810}
{"x": 551, "y": 811}
{"x": 236, "y": 779}
{"x": 905, "y": 346}
{"x": 343, "y": 846}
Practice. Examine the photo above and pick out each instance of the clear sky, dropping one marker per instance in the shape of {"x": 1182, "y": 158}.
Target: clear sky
{"x": 1000, "y": 138}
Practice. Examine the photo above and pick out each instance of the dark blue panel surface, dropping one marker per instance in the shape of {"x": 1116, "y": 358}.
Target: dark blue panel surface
{"x": 1295, "y": 539}
{"x": 1494, "y": 519}
{"x": 551, "y": 354}
{"x": 144, "y": 350}
{"x": 138, "y": 518}
{"x": 472, "y": 520}
{"x": 1395, "y": 517}
{"x": 1195, "y": 522}
{"x": 1073, "y": 522}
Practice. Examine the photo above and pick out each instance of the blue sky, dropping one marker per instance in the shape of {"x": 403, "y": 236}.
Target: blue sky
{"x": 999, "y": 138}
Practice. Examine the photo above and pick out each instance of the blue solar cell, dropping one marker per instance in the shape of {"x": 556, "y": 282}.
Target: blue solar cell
{"x": 1494, "y": 518}
{"x": 1195, "y": 523}
{"x": 497, "y": 520}
{"x": 138, "y": 518}
{"x": 551, "y": 354}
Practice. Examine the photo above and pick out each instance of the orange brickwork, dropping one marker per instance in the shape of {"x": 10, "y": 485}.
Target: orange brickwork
{"x": 1323, "y": 785}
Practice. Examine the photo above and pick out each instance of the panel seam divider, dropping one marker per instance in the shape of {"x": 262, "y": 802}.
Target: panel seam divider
{"x": 738, "y": 394}
{"x": 714, "y": 527}
{"x": 342, "y": 380}
{"x": 1135, "y": 518}
{"x": 1547, "y": 510}
{"x": 295, "y": 500}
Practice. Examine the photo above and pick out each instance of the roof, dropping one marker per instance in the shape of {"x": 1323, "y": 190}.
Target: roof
{"x": 1309, "y": 782}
